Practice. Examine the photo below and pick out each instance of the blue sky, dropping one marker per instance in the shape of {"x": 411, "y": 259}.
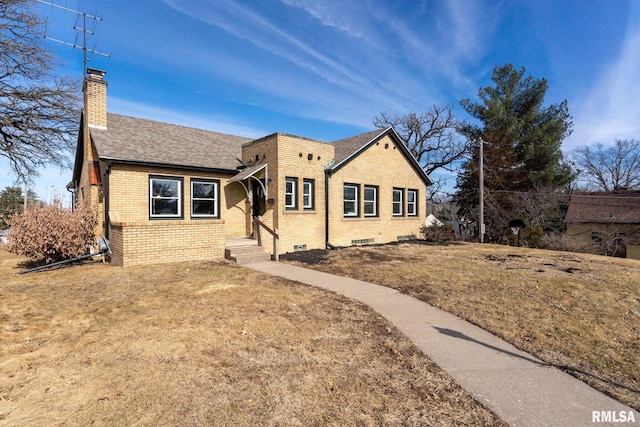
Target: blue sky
{"x": 324, "y": 68}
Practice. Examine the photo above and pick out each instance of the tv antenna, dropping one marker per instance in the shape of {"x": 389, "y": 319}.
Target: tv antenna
{"x": 83, "y": 29}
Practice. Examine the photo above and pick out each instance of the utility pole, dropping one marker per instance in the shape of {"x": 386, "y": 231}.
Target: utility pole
{"x": 481, "y": 174}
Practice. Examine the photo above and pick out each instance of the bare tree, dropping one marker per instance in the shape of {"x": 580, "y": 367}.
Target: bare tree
{"x": 431, "y": 136}
{"x": 38, "y": 110}
{"x": 608, "y": 168}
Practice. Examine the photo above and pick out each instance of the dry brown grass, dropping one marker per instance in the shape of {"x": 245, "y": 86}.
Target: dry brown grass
{"x": 206, "y": 344}
{"x": 575, "y": 311}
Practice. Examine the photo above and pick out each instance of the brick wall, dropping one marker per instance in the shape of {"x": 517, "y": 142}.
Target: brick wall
{"x": 95, "y": 101}
{"x": 300, "y": 158}
{"x": 151, "y": 242}
{"x": 303, "y": 159}
{"x": 382, "y": 165}
{"x": 138, "y": 239}
{"x": 95, "y": 114}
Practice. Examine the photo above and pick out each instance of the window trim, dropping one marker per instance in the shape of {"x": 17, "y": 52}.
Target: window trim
{"x": 180, "y": 197}
{"x": 399, "y": 203}
{"x": 413, "y": 204}
{"x": 376, "y": 192}
{"x": 294, "y": 194}
{"x": 216, "y": 198}
{"x": 311, "y": 183}
{"x": 356, "y": 212}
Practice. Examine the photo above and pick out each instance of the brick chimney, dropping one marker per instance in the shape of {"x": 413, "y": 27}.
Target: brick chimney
{"x": 95, "y": 99}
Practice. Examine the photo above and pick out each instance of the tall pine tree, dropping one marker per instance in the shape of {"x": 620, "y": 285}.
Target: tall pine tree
{"x": 522, "y": 141}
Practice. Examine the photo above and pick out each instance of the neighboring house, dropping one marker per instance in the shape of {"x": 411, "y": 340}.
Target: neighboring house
{"x": 433, "y": 221}
{"x": 632, "y": 244}
{"x": 603, "y": 220}
{"x": 170, "y": 193}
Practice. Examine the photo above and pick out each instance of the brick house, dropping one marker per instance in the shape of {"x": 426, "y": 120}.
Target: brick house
{"x": 171, "y": 193}
{"x": 608, "y": 221}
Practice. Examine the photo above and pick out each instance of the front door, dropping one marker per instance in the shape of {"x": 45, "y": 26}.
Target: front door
{"x": 258, "y": 203}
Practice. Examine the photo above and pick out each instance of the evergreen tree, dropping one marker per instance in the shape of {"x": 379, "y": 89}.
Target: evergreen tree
{"x": 12, "y": 202}
{"x": 522, "y": 141}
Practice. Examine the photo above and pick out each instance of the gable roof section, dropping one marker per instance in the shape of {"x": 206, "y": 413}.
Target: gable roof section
{"x": 142, "y": 141}
{"x": 618, "y": 207}
{"x": 349, "y": 148}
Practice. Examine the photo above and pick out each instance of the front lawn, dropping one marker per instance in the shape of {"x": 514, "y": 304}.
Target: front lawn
{"x": 578, "y": 312}
{"x": 192, "y": 344}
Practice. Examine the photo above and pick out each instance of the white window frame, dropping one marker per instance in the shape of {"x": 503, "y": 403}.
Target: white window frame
{"x": 373, "y": 202}
{"x": 155, "y": 197}
{"x": 354, "y": 213}
{"x": 398, "y": 203}
{"x": 412, "y": 206}
{"x": 293, "y": 203}
{"x": 214, "y": 199}
{"x": 307, "y": 194}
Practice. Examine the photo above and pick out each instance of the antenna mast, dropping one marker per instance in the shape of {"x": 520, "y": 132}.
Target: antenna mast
{"x": 83, "y": 29}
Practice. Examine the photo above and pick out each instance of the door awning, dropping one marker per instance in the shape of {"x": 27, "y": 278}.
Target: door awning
{"x": 247, "y": 174}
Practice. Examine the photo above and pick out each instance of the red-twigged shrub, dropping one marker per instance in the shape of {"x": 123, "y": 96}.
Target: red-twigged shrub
{"x": 52, "y": 232}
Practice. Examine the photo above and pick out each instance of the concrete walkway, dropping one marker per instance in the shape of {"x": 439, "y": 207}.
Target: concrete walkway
{"x": 520, "y": 389}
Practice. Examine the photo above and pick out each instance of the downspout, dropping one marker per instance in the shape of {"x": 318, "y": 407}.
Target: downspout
{"x": 106, "y": 200}
{"x": 72, "y": 189}
{"x": 327, "y": 174}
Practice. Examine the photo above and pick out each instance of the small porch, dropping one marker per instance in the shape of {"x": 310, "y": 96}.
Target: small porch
{"x": 244, "y": 250}
{"x": 247, "y": 249}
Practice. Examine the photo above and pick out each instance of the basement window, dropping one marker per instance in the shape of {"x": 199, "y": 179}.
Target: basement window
{"x": 359, "y": 242}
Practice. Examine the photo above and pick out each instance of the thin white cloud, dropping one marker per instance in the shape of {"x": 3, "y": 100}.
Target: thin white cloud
{"x": 346, "y": 81}
{"x": 250, "y": 26}
{"x": 611, "y": 110}
{"x": 184, "y": 118}
{"x": 340, "y": 18}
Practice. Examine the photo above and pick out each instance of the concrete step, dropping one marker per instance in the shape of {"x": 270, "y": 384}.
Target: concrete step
{"x": 246, "y": 254}
{"x": 250, "y": 259}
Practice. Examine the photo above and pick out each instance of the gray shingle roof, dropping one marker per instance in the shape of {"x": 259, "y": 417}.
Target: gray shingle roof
{"x": 621, "y": 207}
{"x": 131, "y": 139}
{"x": 344, "y": 148}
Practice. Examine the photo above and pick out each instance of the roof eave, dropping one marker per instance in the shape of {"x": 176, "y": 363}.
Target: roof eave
{"x": 396, "y": 138}
{"x": 168, "y": 165}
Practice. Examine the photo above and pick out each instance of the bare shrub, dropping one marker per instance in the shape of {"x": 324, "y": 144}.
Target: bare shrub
{"x": 53, "y": 232}
{"x": 555, "y": 241}
{"x": 438, "y": 233}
